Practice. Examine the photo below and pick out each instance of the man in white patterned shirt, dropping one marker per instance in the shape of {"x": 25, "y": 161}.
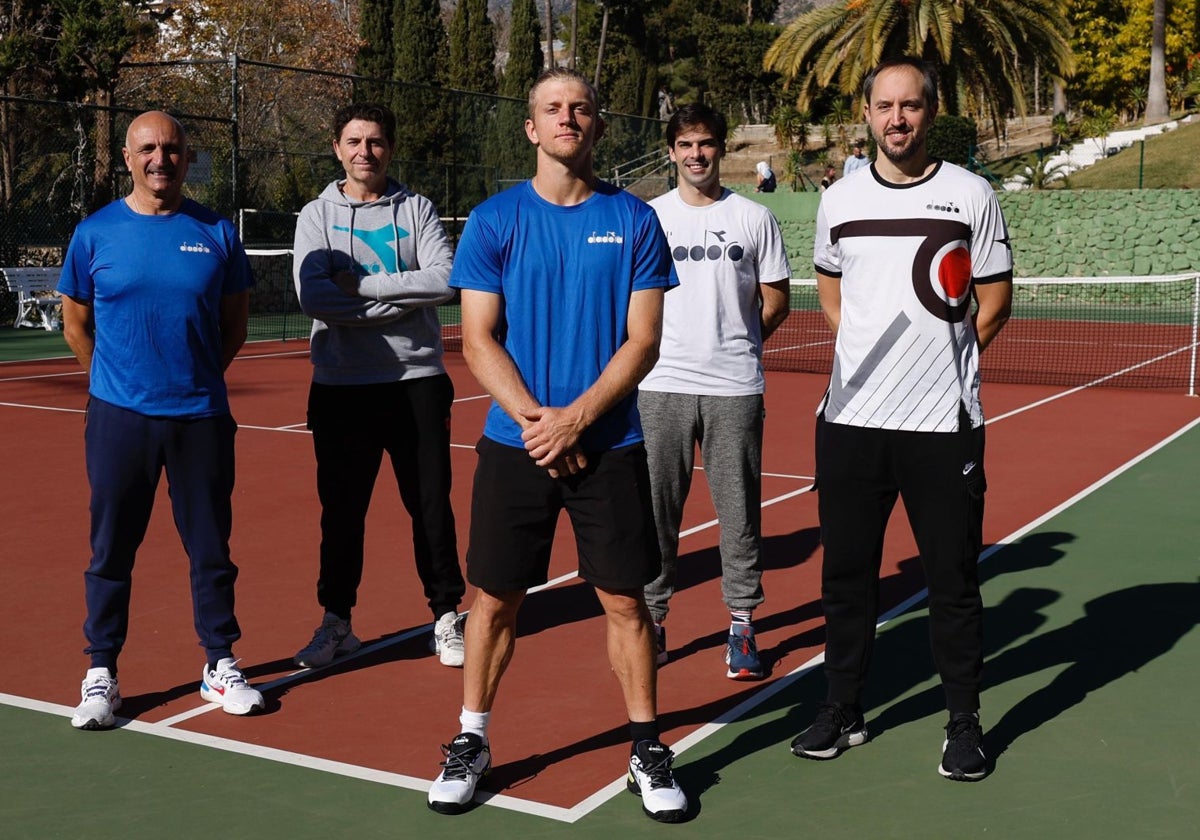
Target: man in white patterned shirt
{"x": 914, "y": 275}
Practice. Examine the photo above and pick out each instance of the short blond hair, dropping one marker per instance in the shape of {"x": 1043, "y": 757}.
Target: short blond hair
{"x": 562, "y": 74}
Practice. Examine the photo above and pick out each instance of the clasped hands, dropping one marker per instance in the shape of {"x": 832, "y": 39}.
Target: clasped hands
{"x": 551, "y": 438}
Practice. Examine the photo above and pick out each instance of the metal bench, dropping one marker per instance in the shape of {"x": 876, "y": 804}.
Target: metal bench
{"x": 37, "y": 303}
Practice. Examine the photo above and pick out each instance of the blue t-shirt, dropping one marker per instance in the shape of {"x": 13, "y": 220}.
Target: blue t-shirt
{"x": 155, "y": 285}
{"x": 566, "y": 275}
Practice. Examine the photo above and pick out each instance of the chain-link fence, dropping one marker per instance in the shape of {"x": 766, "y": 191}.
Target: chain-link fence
{"x": 261, "y": 139}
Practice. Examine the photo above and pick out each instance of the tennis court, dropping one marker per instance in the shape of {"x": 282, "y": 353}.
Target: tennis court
{"x": 1092, "y": 592}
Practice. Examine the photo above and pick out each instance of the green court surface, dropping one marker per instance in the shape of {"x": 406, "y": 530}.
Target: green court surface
{"x": 1091, "y": 682}
{"x": 31, "y": 344}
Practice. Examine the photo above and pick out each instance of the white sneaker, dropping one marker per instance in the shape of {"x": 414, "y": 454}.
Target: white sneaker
{"x": 100, "y": 699}
{"x": 226, "y": 686}
{"x": 333, "y": 638}
{"x": 650, "y": 777}
{"x": 447, "y": 641}
{"x": 467, "y": 758}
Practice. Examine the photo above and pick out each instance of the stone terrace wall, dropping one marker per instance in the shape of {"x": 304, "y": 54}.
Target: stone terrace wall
{"x": 1104, "y": 232}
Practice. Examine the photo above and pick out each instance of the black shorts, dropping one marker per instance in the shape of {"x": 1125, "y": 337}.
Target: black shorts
{"x": 515, "y": 506}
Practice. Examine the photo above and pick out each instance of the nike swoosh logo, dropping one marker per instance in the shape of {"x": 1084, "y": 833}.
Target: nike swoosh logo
{"x": 970, "y": 465}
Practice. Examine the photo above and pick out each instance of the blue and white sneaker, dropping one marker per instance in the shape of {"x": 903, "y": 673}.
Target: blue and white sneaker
{"x": 741, "y": 654}
{"x": 226, "y": 686}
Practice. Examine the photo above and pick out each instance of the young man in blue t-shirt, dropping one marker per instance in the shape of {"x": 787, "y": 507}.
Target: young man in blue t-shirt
{"x": 155, "y": 303}
{"x": 562, "y": 282}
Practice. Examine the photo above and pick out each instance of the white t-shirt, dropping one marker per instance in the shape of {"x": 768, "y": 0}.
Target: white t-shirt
{"x": 712, "y": 330}
{"x": 906, "y": 353}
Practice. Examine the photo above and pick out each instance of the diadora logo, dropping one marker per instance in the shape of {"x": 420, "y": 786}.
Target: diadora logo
{"x": 197, "y": 248}
{"x": 719, "y": 250}
{"x": 609, "y": 237}
{"x": 946, "y": 207}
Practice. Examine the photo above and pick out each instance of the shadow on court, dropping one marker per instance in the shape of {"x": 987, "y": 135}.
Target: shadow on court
{"x": 1112, "y": 639}
{"x": 1118, "y": 633}
{"x": 903, "y": 659}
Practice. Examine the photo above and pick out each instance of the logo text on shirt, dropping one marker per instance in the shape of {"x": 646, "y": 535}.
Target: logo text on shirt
{"x": 945, "y": 207}
{"x": 604, "y": 238}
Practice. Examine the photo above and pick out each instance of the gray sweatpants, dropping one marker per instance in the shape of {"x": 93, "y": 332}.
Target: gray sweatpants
{"x": 729, "y": 431}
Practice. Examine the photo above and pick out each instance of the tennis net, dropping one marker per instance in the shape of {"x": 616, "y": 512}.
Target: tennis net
{"x": 1122, "y": 332}
{"x": 274, "y": 309}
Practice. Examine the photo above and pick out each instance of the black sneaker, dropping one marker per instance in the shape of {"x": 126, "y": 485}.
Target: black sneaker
{"x": 467, "y": 758}
{"x": 962, "y": 751}
{"x": 837, "y": 727}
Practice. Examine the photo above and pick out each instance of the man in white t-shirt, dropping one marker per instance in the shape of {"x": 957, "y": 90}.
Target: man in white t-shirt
{"x": 707, "y": 386}
{"x": 914, "y": 275}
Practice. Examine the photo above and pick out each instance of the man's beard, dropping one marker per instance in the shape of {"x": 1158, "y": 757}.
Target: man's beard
{"x": 898, "y": 155}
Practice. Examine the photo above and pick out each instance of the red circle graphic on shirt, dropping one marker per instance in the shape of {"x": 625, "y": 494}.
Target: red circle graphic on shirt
{"x": 954, "y": 273}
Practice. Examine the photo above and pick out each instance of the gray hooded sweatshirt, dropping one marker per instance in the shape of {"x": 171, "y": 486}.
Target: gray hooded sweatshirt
{"x": 397, "y": 246}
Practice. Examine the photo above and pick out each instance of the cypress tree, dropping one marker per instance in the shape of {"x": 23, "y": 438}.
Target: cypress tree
{"x": 375, "y": 56}
{"x": 472, "y": 48}
{"x": 472, "y": 68}
{"x": 422, "y": 114}
{"x": 525, "y": 56}
{"x": 514, "y": 157}
{"x": 419, "y": 41}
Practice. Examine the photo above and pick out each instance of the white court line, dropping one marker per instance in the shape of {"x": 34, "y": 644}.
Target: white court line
{"x": 241, "y": 357}
{"x": 39, "y": 376}
{"x": 786, "y": 475}
{"x": 39, "y": 359}
{"x": 292, "y": 758}
{"x": 42, "y": 407}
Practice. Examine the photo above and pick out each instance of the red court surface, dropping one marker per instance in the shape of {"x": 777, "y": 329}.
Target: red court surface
{"x": 558, "y": 732}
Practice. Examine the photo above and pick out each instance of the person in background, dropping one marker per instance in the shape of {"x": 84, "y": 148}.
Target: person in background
{"x": 765, "y": 177}
{"x": 155, "y": 296}
{"x": 371, "y": 264}
{"x": 828, "y": 178}
{"x": 562, "y": 281}
{"x": 857, "y": 160}
{"x": 707, "y": 386}
{"x": 914, "y": 276}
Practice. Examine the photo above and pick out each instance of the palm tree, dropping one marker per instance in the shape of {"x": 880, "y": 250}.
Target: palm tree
{"x": 1045, "y": 175}
{"x": 1156, "y": 101}
{"x": 978, "y": 47}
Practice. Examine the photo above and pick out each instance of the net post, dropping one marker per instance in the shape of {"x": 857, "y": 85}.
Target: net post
{"x": 1195, "y": 333}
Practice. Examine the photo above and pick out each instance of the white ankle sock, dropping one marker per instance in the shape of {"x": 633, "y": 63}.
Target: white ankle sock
{"x": 475, "y": 722}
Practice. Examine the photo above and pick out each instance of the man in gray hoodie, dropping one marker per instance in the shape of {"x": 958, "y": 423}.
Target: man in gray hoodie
{"x": 371, "y": 264}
